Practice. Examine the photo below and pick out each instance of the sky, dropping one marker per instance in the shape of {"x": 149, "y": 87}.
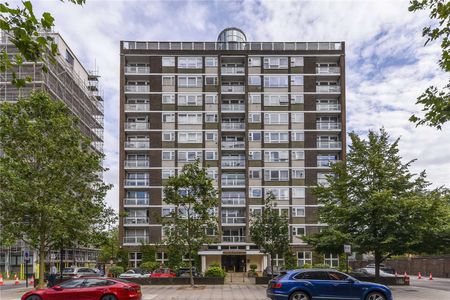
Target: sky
{"x": 387, "y": 65}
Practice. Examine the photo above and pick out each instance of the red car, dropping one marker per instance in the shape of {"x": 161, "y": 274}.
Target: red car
{"x": 88, "y": 288}
{"x": 163, "y": 273}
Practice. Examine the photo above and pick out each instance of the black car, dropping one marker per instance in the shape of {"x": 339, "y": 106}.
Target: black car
{"x": 383, "y": 268}
{"x": 276, "y": 271}
{"x": 184, "y": 272}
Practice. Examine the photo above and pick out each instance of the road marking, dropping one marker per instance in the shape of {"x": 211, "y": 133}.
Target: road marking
{"x": 149, "y": 297}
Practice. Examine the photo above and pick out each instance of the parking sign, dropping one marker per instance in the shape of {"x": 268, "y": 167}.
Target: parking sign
{"x": 348, "y": 249}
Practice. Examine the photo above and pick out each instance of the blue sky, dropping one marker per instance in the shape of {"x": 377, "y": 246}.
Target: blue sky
{"x": 387, "y": 64}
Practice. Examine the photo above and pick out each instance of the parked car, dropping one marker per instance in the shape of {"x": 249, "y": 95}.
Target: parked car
{"x": 369, "y": 272}
{"x": 163, "y": 273}
{"x": 88, "y": 288}
{"x": 135, "y": 273}
{"x": 382, "y": 267}
{"x": 276, "y": 271}
{"x": 99, "y": 272}
{"x": 75, "y": 272}
{"x": 184, "y": 272}
{"x": 308, "y": 284}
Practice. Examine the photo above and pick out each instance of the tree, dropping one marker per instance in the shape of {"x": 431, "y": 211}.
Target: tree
{"x": 148, "y": 253}
{"x": 49, "y": 187}
{"x": 110, "y": 248}
{"x": 375, "y": 203}
{"x": 270, "y": 231}
{"x": 436, "y": 103}
{"x": 195, "y": 199}
{"x": 26, "y": 32}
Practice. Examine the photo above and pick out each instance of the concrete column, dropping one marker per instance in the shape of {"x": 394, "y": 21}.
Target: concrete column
{"x": 265, "y": 262}
{"x": 203, "y": 263}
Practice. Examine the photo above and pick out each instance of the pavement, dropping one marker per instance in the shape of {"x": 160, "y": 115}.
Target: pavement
{"x": 437, "y": 289}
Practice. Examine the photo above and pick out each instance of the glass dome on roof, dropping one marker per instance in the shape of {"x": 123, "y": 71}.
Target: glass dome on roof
{"x": 232, "y": 34}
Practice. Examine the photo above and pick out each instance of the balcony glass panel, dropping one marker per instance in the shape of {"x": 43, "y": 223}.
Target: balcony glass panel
{"x": 328, "y": 88}
{"x": 233, "y": 70}
{"x": 137, "y": 107}
{"x": 233, "y": 220}
{"x": 135, "y": 220}
{"x": 135, "y": 239}
{"x": 137, "y": 201}
{"x": 137, "y": 88}
{"x": 137, "y": 182}
{"x": 328, "y": 125}
{"x": 233, "y": 145}
{"x": 327, "y": 70}
{"x": 233, "y": 89}
{"x": 328, "y": 107}
{"x": 137, "y": 69}
{"x": 137, "y": 144}
{"x": 233, "y": 239}
{"x": 137, "y": 126}
{"x": 233, "y": 107}
{"x": 233, "y": 125}
{"x": 137, "y": 163}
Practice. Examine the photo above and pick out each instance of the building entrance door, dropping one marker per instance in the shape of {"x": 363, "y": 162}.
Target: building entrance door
{"x": 234, "y": 263}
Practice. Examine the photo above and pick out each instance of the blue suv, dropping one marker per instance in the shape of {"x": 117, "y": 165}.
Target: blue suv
{"x": 321, "y": 284}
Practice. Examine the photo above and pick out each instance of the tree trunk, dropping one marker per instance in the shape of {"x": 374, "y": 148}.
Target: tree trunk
{"x": 190, "y": 268}
{"x": 377, "y": 264}
{"x": 41, "y": 284}
{"x": 271, "y": 266}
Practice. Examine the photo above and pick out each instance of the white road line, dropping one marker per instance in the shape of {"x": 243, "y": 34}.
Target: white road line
{"x": 149, "y": 297}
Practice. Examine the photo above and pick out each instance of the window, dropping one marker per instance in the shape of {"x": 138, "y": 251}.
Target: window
{"x": 298, "y": 117}
{"x": 189, "y": 81}
{"x": 168, "y": 61}
{"x": 297, "y": 61}
{"x": 276, "y": 100}
{"x": 298, "y": 155}
{"x": 69, "y": 57}
{"x": 210, "y": 98}
{"x": 298, "y": 211}
{"x": 276, "y": 156}
{"x": 275, "y": 81}
{"x": 254, "y": 118}
{"x": 298, "y": 173}
{"x": 333, "y": 261}
{"x": 298, "y": 136}
{"x": 296, "y": 80}
{"x": 212, "y": 173}
{"x": 72, "y": 284}
{"x": 254, "y": 155}
{"x": 276, "y": 118}
{"x": 275, "y": 62}
{"x": 162, "y": 257}
{"x": 255, "y": 192}
{"x": 254, "y": 211}
{"x": 279, "y": 193}
{"x": 298, "y": 192}
{"x": 254, "y": 173}
{"x": 254, "y": 80}
{"x": 189, "y": 137}
{"x": 298, "y": 230}
{"x": 190, "y": 99}
{"x": 190, "y": 118}
{"x": 168, "y": 118}
{"x": 254, "y": 61}
{"x": 168, "y": 98}
{"x": 210, "y": 80}
{"x": 211, "y": 136}
{"x": 166, "y": 173}
{"x": 190, "y": 62}
{"x": 210, "y": 61}
{"x": 92, "y": 282}
{"x": 168, "y": 136}
{"x": 254, "y": 136}
{"x": 168, "y": 155}
{"x": 190, "y": 156}
{"x": 313, "y": 275}
{"x": 211, "y": 155}
{"x": 276, "y": 175}
{"x": 297, "y": 99}
{"x": 166, "y": 211}
{"x": 168, "y": 80}
{"x": 255, "y": 99}
{"x": 276, "y": 137}
{"x": 210, "y": 118}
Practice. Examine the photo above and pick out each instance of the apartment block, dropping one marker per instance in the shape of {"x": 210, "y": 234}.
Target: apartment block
{"x": 260, "y": 116}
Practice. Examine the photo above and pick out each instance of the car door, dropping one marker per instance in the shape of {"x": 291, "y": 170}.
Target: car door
{"x": 341, "y": 288}
{"x": 319, "y": 282}
{"x": 93, "y": 289}
{"x": 67, "y": 290}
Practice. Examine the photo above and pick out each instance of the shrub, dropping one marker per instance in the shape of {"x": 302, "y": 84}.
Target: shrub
{"x": 306, "y": 266}
{"x": 214, "y": 271}
{"x": 253, "y": 267}
{"x": 116, "y": 270}
{"x": 321, "y": 266}
{"x": 150, "y": 265}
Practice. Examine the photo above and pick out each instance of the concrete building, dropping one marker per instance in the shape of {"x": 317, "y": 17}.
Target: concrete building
{"x": 261, "y": 116}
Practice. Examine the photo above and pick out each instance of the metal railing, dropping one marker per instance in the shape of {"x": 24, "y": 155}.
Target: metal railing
{"x": 137, "y": 182}
{"x": 328, "y": 88}
{"x": 137, "y": 70}
{"x": 233, "y": 201}
{"x": 233, "y": 125}
{"x": 137, "y": 163}
{"x": 137, "y": 126}
{"x": 137, "y": 107}
{"x": 233, "y": 145}
{"x": 135, "y": 239}
{"x": 328, "y": 70}
{"x": 233, "y": 107}
{"x": 233, "y": 88}
{"x": 330, "y": 144}
{"x": 233, "y": 182}
{"x": 136, "y": 201}
{"x": 233, "y": 220}
{"x": 137, "y": 144}
{"x": 135, "y": 220}
{"x": 328, "y": 125}
{"x": 233, "y": 70}
{"x": 233, "y": 239}
{"x": 328, "y": 107}
{"x": 233, "y": 162}
{"x": 137, "y": 88}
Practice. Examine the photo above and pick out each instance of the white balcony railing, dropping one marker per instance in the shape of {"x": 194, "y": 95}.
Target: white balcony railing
{"x": 137, "y": 107}
{"x": 328, "y": 107}
{"x": 137, "y": 88}
{"x": 135, "y": 239}
{"x": 137, "y": 144}
{"x": 233, "y": 220}
{"x": 233, "y": 70}
{"x": 233, "y": 125}
{"x": 233, "y": 201}
{"x": 233, "y": 89}
{"x": 328, "y": 125}
{"x": 323, "y": 182}
{"x": 329, "y": 144}
{"x": 135, "y": 220}
{"x": 136, "y": 201}
{"x": 233, "y": 163}
{"x": 233, "y": 145}
{"x": 328, "y": 88}
{"x": 137, "y": 70}
{"x": 328, "y": 70}
{"x": 233, "y": 181}
{"x": 233, "y": 107}
{"x": 137, "y": 182}
{"x": 137, "y": 163}
{"x": 137, "y": 126}
{"x": 233, "y": 239}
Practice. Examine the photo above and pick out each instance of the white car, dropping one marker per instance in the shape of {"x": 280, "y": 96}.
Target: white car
{"x": 134, "y": 273}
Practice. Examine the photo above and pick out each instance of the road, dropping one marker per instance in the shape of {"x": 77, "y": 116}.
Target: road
{"x": 437, "y": 289}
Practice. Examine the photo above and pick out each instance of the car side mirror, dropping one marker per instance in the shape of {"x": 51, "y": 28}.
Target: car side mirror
{"x": 57, "y": 288}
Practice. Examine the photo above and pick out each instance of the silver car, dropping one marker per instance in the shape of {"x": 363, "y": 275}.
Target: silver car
{"x": 77, "y": 272}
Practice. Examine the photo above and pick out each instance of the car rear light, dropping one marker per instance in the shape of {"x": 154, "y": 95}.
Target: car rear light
{"x": 276, "y": 285}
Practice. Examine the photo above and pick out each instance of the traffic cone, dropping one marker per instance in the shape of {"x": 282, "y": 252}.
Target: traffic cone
{"x": 431, "y": 276}
{"x": 396, "y": 274}
{"x": 1, "y": 279}
{"x": 419, "y": 276}
{"x": 405, "y": 275}
{"x": 16, "y": 280}
{"x": 32, "y": 280}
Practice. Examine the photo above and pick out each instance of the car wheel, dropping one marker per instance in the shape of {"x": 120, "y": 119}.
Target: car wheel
{"x": 33, "y": 297}
{"x": 299, "y": 296}
{"x": 109, "y": 297}
{"x": 375, "y": 296}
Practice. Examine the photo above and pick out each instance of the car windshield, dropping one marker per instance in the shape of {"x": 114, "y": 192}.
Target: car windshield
{"x": 162, "y": 271}
{"x": 129, "y": 272}
{"x": 69, "y": 270}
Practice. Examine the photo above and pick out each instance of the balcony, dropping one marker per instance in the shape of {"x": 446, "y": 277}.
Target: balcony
{"x": 233, "y": 220}
{"x": 227, "y": 182}
{"x": 233, "y": 89}
{"x": 233, "y": 145}
{"x": 232, "y": 70}
{"x": 137, "y": 163}
{"x": 233, "y": 107}
{"x": 328, "y": 89}
{"x": 328, "y": 70}
{"x": 137, "y": 88}
{"x": 325, "y": 163}
{"x": 328, "y": 107}
{"x": 135, "y": 220}
{"x": 136, "y": 182}
{"x": 328, "y": 125}
{"x": 136, "y": 126}
{"x": 137, "y": 107}
{"x": 137, "y": 145}
{"x": 137, "y": 70}
{"x": 230, "y": 163}
{"x": 135, "y": 239}
{"x": 136, "y": 201}
{"x": 233, "y": 201}
{"x": 233, "y": 239}
{"x": 323, "y": 182}
{"x": 329, "y": 144}
{"x": 233, "y": 126}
